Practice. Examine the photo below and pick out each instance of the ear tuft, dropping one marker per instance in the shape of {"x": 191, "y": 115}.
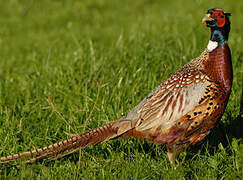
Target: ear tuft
{"x": 227, "y": 14}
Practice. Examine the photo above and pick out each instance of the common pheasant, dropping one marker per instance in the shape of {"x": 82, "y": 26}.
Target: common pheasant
{"x": 179, "y": 113}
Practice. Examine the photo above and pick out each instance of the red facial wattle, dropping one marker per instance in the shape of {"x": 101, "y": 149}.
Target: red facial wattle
{"x": 220, "y": 18}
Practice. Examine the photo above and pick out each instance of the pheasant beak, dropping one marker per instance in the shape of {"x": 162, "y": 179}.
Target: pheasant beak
{"x": 207, "y": 18}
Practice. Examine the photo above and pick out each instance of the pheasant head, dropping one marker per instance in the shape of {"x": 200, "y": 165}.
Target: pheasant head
{"x": 219, "y": 22}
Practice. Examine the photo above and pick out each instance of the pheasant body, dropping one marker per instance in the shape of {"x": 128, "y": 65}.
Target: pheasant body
{"x": 183, "y": 109}
{"x": 179, "y": 113}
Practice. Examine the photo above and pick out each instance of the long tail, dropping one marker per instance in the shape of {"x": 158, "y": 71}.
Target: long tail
{"x": 72, "y": 144}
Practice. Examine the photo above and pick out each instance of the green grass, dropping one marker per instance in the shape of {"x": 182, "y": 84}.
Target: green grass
{"x": 59, "y": 49}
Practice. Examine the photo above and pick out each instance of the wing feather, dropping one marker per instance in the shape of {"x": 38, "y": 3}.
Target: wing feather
{"x": 166, "y": 108}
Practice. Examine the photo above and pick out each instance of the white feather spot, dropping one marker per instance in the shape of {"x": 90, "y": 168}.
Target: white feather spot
{"x": 197, "y": 76}
{"x": 202, "y": 76}
{"x": 177, "y": 85}
{"x": 212, "y": 45}
{"x": 197, "y": 81}
{"x": 169, "y": 86}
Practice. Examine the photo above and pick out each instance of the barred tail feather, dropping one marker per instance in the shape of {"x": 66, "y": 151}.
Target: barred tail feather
{"x": 83, "y": 140}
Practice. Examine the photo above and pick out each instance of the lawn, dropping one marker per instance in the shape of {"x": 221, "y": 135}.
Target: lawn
{"x": 96, "y": 60}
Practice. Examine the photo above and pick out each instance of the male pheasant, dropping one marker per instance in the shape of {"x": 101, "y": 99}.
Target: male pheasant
{"x": 179, "y": 113}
